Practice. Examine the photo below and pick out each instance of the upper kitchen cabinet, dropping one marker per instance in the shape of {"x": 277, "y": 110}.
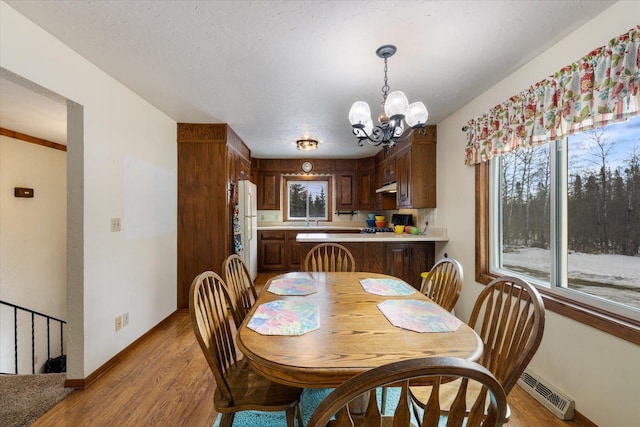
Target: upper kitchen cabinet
{"x": 346, "y": 196}
{"x": 268, "y": 190}
{"x": 211, "y": 160}
{"x": 366, "y": 183}
{"x": 416, "y": 170}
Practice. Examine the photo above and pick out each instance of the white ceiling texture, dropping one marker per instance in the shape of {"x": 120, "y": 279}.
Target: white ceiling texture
{"x": 279, "y": 70}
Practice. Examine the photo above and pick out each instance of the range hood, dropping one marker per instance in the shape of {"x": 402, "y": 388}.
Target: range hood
{"x": 390, "y": 187}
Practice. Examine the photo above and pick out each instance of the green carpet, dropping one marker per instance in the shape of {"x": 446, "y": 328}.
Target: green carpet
{"x": 310, "y": 400}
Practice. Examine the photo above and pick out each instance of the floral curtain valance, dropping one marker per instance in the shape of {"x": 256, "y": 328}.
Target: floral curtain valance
{"x": 600, "y": 88}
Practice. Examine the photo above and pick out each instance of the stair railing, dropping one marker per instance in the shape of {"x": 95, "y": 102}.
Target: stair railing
{"x": 33, "y": 313}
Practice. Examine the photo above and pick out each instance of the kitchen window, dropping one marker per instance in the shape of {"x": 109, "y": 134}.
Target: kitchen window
{"x": 566, "y": 217}
{"x": 308, "y": 198}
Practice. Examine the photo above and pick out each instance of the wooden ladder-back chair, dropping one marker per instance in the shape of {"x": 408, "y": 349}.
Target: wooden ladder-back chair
{"x": 509, "y": 318}
{"x": 489, "y": 410}
{"x": 328, "y": 257}
{"x": 241, "y": 288}
{"x": 442, "y": 284}
{"x": 238, "y": 386}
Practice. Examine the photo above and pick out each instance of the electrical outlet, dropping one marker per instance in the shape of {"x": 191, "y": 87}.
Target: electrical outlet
{"x": 35, "y": 359}
{"x": 125, "y": 319}
{"x": 115, "y": 225}
{"x": 118, "y": 323}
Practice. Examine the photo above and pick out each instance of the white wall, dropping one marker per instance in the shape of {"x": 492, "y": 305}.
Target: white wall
{"x": 110, "y": 273}
{"x": 33, "y": 237}
{"x": 599, "y": 371}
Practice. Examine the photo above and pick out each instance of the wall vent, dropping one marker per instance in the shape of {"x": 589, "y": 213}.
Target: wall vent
{"x": 547, "y": 394}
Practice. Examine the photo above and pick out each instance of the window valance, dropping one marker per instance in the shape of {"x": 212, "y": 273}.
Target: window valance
{"x": 600, "y": 88}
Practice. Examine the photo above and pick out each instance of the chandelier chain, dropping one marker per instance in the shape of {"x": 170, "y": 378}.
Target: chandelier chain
{"x": 385, "y": 88}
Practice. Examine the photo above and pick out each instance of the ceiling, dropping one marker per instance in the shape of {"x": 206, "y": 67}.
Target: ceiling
{"x": 279, "y": 70}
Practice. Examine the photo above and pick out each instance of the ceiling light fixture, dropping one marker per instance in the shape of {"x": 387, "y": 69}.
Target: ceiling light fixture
{"x": 396, "y": 110}
{"x": 307, "y": 144}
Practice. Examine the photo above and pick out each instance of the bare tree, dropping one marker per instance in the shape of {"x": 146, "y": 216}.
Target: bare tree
{"x": 599, "y": 139}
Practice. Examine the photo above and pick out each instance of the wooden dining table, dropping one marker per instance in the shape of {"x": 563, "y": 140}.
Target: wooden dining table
{"x": 353, "y": 334}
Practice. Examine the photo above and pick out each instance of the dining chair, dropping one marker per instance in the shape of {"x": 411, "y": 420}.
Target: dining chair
{"x": 509, "y": 317}
{"x": 442, "y": 284}
{"x": 329, "y": 257}
{"x": 240, "y": 286}
{"x": 238, "y": 386}
{"x": 489, "y": 409}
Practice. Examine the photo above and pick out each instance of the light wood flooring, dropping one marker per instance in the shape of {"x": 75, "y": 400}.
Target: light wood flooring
{"x": 164, "y": 380}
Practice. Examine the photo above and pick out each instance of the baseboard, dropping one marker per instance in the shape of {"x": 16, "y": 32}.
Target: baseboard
{"x": 583, "y": 421}
{"x": 81, "y": 384}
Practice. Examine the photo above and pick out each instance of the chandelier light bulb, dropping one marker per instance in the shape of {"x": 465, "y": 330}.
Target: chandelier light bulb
{"x": 360, "y": 113}
{"x": 417, "y": 114}
{"x": 396, "y": 103}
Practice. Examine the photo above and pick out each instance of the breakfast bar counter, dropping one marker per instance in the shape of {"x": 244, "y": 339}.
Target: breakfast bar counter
{"x": 432, "y": 235}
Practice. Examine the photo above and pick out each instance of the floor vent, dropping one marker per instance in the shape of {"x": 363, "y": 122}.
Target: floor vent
{"x": 547, "y": 394}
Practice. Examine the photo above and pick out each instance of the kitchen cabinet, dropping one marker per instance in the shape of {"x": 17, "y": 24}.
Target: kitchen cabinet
{"x": 403, "y": 260}
{"x": 346, "y": 196}
{"x": 404, "y": 181}
{"x": 269, "y": 190}
{"x": 366, "y": 189}
{"x": 293, "y": 250}
{"x": 271, "y": 250}
{"x": 209, "y": 156}
{"x": 389, "y": 170}
{"x": 416, "y": 171}
{"x": 278, "y": 250}
{"x": 408, "y": 260}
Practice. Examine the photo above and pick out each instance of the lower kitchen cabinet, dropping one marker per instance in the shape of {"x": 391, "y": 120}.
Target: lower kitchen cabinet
{"x": 271, "y": 250}
{"x": 278, "y": 250}
{"x": 403, "y": 260}
{"x": 407, "y": 260}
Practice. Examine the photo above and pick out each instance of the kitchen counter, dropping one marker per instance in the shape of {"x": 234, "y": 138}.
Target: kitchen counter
{"x": 432, "y": 235}
{"x": 311, "y": 228}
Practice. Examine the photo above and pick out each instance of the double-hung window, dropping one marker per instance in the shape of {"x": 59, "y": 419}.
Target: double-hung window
{"x": 566, "y": 217}
{"x": 308, "y": 199}
{"x": 558, "y": 188}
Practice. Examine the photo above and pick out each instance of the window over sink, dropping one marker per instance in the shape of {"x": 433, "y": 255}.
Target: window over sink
{"x": 308, "y": 198}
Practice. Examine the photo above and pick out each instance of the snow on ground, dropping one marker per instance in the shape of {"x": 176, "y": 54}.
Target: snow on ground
{"x": 614, "y": 277}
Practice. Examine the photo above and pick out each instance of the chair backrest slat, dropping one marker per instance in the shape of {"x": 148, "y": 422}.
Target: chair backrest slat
{"x": 241, "y": 288}
{"x": 490, "y": 412}
{"x": 209, "y": 304}
{"x": 329, "y": 257}
{"x": 443, "y": 283}
{"x": 512, "y": 315}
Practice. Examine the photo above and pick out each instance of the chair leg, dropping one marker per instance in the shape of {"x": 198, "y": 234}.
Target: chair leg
{"x": 299, "y": 412}
{"x": 291, "y": 415}
{"x": 227, "y": 419}
{"x": 384, "y": 400}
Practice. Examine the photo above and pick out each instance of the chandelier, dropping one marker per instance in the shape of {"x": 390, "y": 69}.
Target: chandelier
{"x": 396, "y": 111}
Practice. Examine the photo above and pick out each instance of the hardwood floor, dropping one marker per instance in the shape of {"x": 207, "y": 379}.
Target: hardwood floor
{"x": 165, "y": 381}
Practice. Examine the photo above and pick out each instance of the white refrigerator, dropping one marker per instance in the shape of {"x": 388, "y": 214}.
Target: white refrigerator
{"x": 247, "y": 212}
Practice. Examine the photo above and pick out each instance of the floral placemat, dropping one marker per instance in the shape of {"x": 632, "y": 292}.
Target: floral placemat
{"x": 419, "y": 316}
{"x": 387, "y": 287}
{"x": 285, "y": 317}
{"x": 293, "y": 286}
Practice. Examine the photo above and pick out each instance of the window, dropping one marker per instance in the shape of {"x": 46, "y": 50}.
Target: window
{"x": 308, "y": 198}
{"x": 566, "y": 217}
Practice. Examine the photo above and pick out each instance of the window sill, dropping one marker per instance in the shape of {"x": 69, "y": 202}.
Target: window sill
{"x": 623, "y": 328}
